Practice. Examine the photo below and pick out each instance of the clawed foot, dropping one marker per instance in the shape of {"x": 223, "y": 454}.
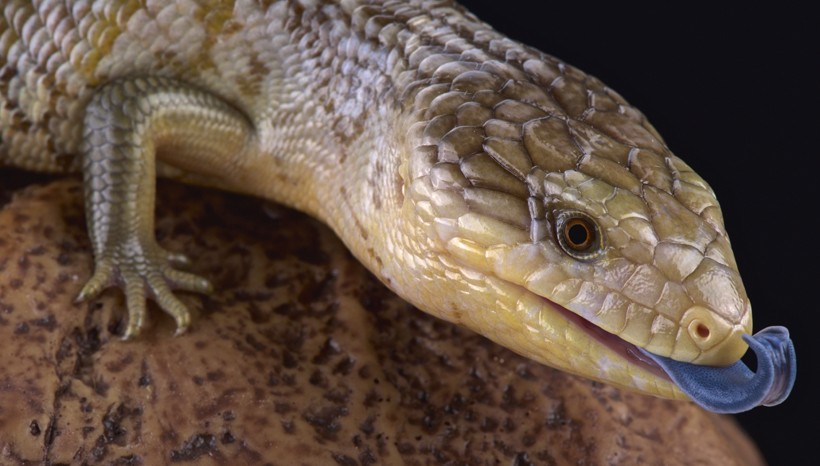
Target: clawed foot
{"x": 145, "y": 272}
{"x": 125, "y": 121}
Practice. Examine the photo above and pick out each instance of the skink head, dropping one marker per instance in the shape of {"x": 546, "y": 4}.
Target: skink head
{"x": 555, "y": 185}
{"x": 648, "y": 262}
{"x": 607, "y": 224}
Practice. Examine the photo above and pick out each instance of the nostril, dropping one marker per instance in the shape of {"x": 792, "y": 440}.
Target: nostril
{"x": 699, "y": 331}
{"x": 705, "y": 337}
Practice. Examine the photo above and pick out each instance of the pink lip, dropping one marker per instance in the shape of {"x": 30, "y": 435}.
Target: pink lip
{"x": 625, "y": 349}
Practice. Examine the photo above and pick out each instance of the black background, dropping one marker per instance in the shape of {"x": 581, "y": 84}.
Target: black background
{"x": 735, "y": 92}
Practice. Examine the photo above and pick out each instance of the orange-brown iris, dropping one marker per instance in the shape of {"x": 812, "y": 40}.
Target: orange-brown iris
{"x": 579, "y": 234}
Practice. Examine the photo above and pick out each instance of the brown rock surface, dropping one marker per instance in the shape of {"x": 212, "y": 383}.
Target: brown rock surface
{"x": 300, "y": 357}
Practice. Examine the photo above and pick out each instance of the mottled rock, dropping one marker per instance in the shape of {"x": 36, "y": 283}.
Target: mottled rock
{"x": 300, "y": 357}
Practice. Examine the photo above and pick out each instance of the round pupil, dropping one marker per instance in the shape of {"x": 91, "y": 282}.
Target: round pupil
{"x": 578, "y": 234}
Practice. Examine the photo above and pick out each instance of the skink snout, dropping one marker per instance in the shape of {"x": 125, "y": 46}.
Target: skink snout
{"x": 706, "y": 338}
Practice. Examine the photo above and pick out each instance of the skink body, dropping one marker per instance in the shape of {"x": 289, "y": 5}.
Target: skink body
{"x": 485, "y": 182}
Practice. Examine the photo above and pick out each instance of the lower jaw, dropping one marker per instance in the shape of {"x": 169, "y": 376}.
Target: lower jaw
{"x": 623, "y": 348}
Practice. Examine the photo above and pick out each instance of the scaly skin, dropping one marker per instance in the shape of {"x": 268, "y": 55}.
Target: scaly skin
{"x": 446, "y": 156}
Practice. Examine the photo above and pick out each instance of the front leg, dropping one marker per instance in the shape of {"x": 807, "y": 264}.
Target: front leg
{"x": 129, "y": 124}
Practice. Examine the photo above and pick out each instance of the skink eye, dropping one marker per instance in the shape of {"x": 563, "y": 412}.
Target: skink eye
{"x": 578, "y": 235}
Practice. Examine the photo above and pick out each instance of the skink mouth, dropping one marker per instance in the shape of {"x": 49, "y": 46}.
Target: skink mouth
{"x": 729, "y": 389}
{"x": 623, "y": 348}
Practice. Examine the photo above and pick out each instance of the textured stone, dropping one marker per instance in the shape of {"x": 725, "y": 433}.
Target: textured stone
{"x": 300, "y": 357}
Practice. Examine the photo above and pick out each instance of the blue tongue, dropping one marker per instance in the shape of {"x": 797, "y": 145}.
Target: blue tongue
{"x": 735, "y": 388}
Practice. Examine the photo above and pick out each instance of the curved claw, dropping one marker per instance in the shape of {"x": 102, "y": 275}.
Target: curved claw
{"x": 735, "y": 388}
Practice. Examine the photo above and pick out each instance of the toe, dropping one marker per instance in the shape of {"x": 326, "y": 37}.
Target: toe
{"x": 188, "y": 282}
{"x": 170, "y": 303}
{"x": 101, "y": 279}
{"x": 135, "y": 301}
